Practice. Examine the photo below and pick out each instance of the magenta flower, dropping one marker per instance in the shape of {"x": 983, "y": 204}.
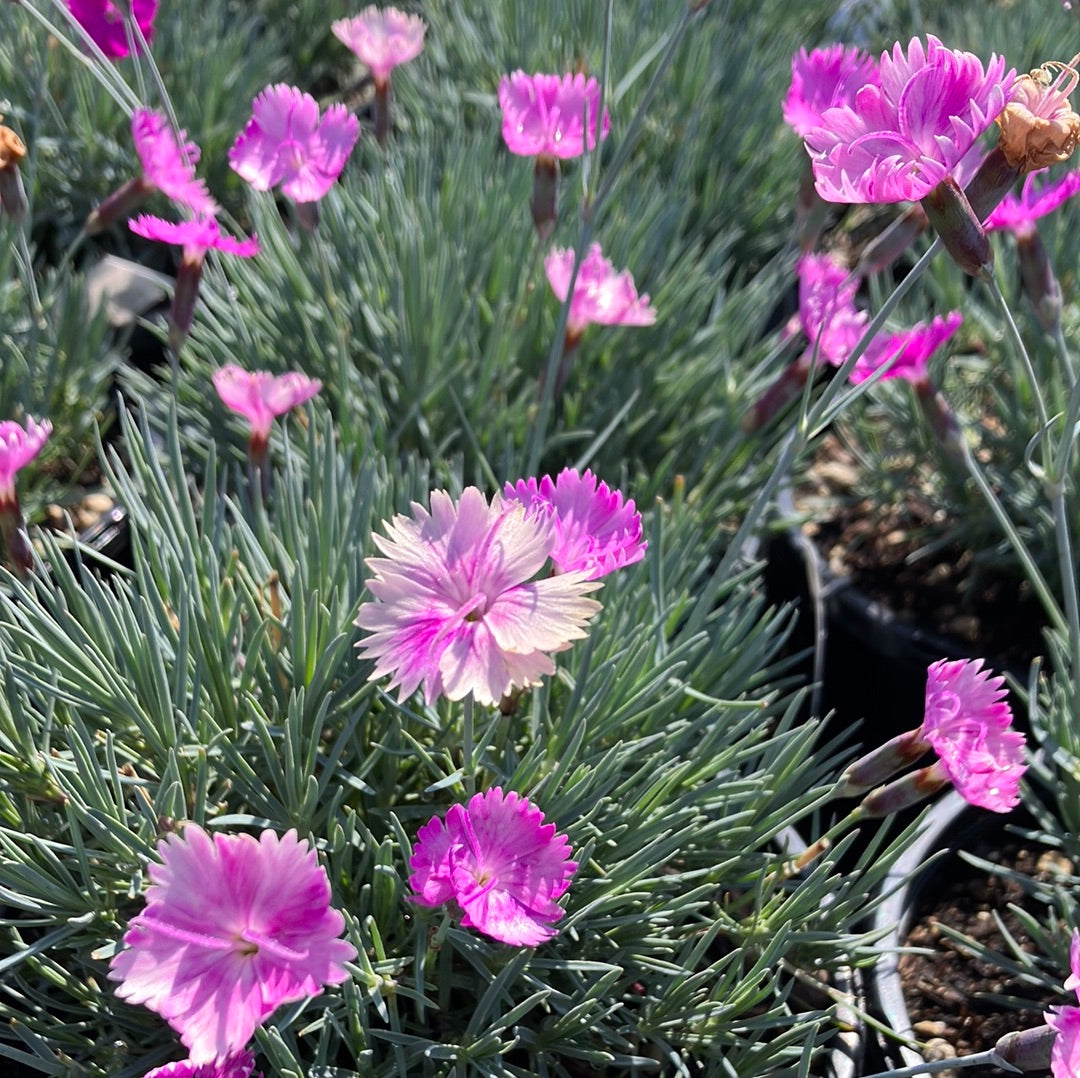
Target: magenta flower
{"x": 827, "y": 313}
{"x": 457, "y": 608}
{"x": 237, "y": 1065}
{"x": 1037, "y": 198}
{"x": 909, "y": 351}
{"x": 286, "y": 143}
{"x": 497, "y": 859}
{"x": 18, "y": 446}
{"x": 103, "y": 20}
{"x": 823, "y": 79}
{"x": 233, "y": 927}
{"x": 600, "y": 294}
{"x": 1065, "y": 1057}
{"x": 596, "y": 531}
{"x": 967, "y": 723}
{"x": 382, "y": 39}
{"x": 899, "y": 140}
{"x": 260, "y": 396}
{"x": 196, "y": 237}
{"x": 169, "y": 165}
{"x": 549, "y": 114}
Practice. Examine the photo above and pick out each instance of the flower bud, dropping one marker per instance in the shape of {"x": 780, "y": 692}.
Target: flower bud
{"x": 949, "y": 211}
{"x": 876, "y": 766}
{"x": 914, "y": 787}
{"x": 1026, "y": 1049}
{"x": 883, "y": 250}
{"x": 941, "y": 419}
{"x": 1039, "y": 280}
{"x": 544, "y": 194}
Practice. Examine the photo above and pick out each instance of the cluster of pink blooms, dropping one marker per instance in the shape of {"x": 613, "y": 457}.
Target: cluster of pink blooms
{"x": 834, "y": 325}
{"x": 968, "y": 725}
{"x": 501, "y": 865}
{"x": 233, "y": 928}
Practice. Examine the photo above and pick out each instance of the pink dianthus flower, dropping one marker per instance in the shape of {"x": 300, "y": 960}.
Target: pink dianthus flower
{"x": 1065, "y": 1057}
{"x": 823, "y": 79}
{"x": 548, "y": 114}
{"x": 382, "y": 39}
{"x": 908, "y": 351}
{"x": 497, "y": 859}
{"x": 596, "y": 531}
{"x": 233, "y": 927}
{"x": 286, "y": 143}
{"x": 827, "y": 313}
{"x": 236, "y": 1065}
{"x": 968, "y": 724}
{"x": 457, "y": 608}
{"x": 104, "y": 22}
{"x": 196, "y": 237}
{"x": 259, "y": 396}
{"x": 168, "y": 165}
{"x": 900, "y": 139}
{"x": 18, "y": 446}
{"x": 1037, "y": 198}
{"x": 600, "y": 294}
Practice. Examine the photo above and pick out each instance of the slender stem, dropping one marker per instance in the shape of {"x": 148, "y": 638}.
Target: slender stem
{"x": 344, "y": 366}
{"x": 1034, "y": 574}
{"x": 1021, "y": 352}
{"x": 468, "y": 749}
{"x": 27, "y": 264}
{"x": 1064, "y": 354}
{"x": 989, "y": 1058}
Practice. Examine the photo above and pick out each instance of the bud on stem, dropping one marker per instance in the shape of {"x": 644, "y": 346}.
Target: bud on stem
{"x": 1027, "y": 1049}
{"x": 544, "y": 195}
{"x": 914, "y": 787}
{"x": 1040, "y": 282}
{"x": 949, "y": 211}
{"x": 876, "y": 766}
{"x": 941, "y": 419}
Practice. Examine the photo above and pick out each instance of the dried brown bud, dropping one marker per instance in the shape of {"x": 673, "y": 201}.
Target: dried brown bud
{"x": 12, "y": 148}
{"x": 1039, "y": 127}
{"x": 12, "y": 194}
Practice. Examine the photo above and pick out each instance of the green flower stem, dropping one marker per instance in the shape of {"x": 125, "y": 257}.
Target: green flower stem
{"x": 1021, "y": 352}
{"x": 468, "y": 748}
{"x": 97, "y": 63}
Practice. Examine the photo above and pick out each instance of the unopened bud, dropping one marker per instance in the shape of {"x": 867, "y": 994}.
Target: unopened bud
{"x": 185, "y": 296}
{"x": 1026, "y": 1049}
{"x": 882, "y": 251}
{"x": 118, "y": 206}
{"x": 914, "y": 787}
{"x": 949, "y": 211}
{"x": 780, "y": 394}
{"x": 991, "y": 183}
{"x": 1040, "y": 282}
{"x": 876, "y": 766}
{"x": 941, "y": 419}
{"x": 544, "y": 195}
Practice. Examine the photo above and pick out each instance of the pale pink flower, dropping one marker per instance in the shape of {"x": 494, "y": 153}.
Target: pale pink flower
{"x": 823, "y": 79}
{"x": 968, "y": 724}
{"x": 909, "y": 350}
{"x": 382, "y": 39}
{"x": 18, "y": 446}
{"x": 196, "y": 237}
{"x": 286, "y": 143}
{"x": 233, "y": 927}
{"x": 457, "y": 608}
{"x": 169, "y": 165}
{"x": 104, "y": 22}
{"x": 899, "y": 140}
{"x": 260, "y": 396}
{"x": 1037, "y": 198}
{"x": 546, "y": 114}
{"x": 497, "y": 859}
{"x": 827, "y": 313}
{"x": 237, "y": 1065}
{"x": 600, "y": 294}
{"x": 596, "y": 531}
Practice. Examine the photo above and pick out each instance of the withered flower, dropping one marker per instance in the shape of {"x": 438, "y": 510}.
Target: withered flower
{"x": 12, "y": 193}
{"x": 1038, "y": 126}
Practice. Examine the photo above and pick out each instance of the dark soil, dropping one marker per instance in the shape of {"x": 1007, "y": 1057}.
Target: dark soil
{"x": 949, "y": 992}
{"x": 879, "y": 548}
